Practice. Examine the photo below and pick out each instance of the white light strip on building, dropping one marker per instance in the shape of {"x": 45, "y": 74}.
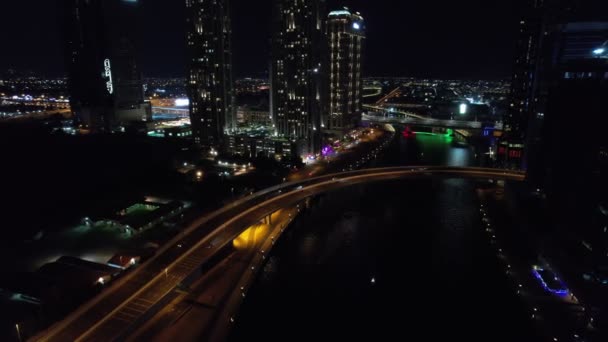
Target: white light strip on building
{"x": 108, "y": 68}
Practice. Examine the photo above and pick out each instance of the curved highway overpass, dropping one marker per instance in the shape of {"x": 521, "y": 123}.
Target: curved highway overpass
{"x": 134, "y": 298}
{"x": 431, "y": 122}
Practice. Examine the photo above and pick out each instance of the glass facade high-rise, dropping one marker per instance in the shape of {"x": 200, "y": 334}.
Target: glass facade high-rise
{"x": 106, "y": 88}
{"x": 559, "y": 111}
{"x": 209, "y": 80}
{"x": 573, "y": 166}
{"x": 345, "y": 34}
{"x": 298, "y": 72}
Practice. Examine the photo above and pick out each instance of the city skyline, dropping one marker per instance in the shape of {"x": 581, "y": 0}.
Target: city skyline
{"x": 433, "y": 34}
{"x": 309, "y": 155}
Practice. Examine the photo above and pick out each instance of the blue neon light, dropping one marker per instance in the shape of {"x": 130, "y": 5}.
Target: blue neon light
{"x": 562, "y": 291}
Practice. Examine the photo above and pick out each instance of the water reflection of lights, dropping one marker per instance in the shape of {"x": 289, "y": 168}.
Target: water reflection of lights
{"x": 308, "y": 247}
{"x": 458, "y": 157}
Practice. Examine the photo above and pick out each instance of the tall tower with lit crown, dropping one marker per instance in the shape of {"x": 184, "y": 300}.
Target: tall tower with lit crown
{"x": 345, "y": 34}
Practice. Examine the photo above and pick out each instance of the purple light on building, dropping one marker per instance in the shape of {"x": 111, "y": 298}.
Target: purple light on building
{"x": 327, "y": 150}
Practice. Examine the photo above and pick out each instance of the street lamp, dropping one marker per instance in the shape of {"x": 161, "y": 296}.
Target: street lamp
{"x": 18, "y": 332}
{"x": 463, "y": 108}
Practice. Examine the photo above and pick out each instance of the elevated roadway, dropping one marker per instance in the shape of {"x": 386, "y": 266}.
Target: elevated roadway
{"x": 130, "y": 301}
{"x": 422, "y": 121}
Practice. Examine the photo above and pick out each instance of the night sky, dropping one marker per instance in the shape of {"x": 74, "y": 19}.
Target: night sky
{"x": 466, "y": 39}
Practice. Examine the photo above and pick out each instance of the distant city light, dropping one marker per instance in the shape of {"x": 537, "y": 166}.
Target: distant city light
{"x": 463, "y": 108}
{"x": 599, "y": 51}
{"x": 337, "y": 13}
{"x": 182, "y": 102}
{"x": 356, "y": 26}
{"x": 476, "y": 102}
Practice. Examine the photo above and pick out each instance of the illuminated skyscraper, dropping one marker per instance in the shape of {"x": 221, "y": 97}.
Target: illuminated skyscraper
{"x": 297, "y": 71}
{"x": 525, "y": 114}
{"x": 539, "y": 35}
{"x": 210, "y": 88}
{"x": 525, "y": 71}
{"x": 106, "y": 90}
{"x": 345, "y": 33}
